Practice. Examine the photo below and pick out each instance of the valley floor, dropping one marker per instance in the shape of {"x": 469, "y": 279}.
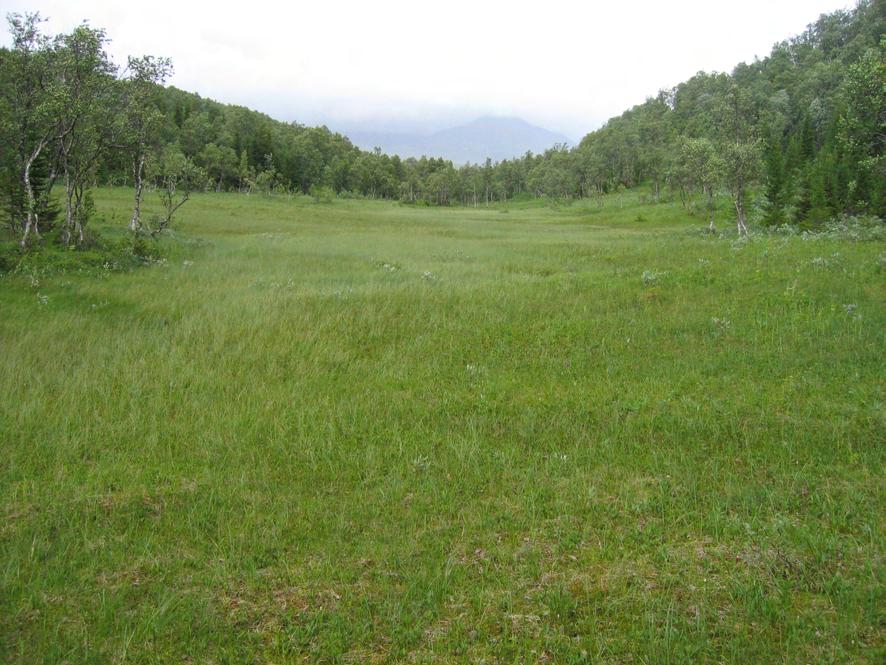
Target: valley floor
{"x": 367, "y": 432}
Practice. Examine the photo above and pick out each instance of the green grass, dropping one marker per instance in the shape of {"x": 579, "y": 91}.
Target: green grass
{"x": 365, "y": 432}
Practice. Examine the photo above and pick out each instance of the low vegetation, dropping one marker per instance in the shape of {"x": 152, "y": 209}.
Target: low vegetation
{"x": 350, "y": 431}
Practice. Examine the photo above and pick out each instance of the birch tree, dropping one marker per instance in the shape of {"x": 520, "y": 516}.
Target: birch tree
{"x": 141, "y": 120}
{"x": 741, "y": 161}
{"x": 32, "y": 98}
{"x": 740, "y": 149}
{"x": 177, "y": 178}
{"x": 87, "y": 78}
{"x": 701, "y": 168}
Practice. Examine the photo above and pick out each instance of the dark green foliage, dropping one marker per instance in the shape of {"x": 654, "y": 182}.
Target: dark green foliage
{"x": 13, "y": 202}
{"x": 861, "y": 130}
{"x": 322, "y": 194}
{"x": 776, "y": 184}
{"x": 96, "y": 255}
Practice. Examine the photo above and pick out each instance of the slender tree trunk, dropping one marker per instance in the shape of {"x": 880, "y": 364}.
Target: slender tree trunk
{"x": 739, "y": 211}
{"x": 138, "y": 173}
{"x": 31, "y": 222}
{"x": 69, "y": 208}
{"x": 78, "y": 207}
{"x": 709, "y": 194}
{"x": 69, "y": 195}
{"x": 64, "y": 149}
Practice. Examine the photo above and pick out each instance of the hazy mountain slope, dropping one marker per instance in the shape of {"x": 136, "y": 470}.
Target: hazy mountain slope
{"x": 497, "y": 138}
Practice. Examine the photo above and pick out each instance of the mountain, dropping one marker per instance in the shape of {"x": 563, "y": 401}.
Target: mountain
{"x": 494, "y": 137}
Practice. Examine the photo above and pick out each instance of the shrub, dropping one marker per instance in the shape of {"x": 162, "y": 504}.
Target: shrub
{"x": 322, "y": 194}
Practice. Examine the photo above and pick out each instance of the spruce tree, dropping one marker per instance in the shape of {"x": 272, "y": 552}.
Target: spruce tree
{"x": 776, "y": 184}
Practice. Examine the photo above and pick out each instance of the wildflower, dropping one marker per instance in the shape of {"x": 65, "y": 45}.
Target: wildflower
{"x": 722, "y": 324}
{"x": 651, "y": 277}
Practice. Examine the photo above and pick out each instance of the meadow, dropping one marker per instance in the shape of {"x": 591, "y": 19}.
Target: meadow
{"x": 369, "y": 432}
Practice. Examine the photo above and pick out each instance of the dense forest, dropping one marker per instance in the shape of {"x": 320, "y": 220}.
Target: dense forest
{"x": 800, "y": 133}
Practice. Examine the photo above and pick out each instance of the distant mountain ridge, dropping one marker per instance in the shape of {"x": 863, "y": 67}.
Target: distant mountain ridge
{"x": 497, "y": 138}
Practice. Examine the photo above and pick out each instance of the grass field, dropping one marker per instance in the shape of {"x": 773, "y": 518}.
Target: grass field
{"x": 366, "y": 432}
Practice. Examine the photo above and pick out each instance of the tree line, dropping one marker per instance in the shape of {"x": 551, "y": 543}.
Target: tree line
{"x": 802, "y": 129}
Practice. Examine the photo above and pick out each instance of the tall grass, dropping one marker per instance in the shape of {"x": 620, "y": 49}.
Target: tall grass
{"x": 364, "y": 432}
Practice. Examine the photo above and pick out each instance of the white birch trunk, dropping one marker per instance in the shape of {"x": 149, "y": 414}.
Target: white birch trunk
{"x": 31, "y": 221}
{"x": 135, "y": 222}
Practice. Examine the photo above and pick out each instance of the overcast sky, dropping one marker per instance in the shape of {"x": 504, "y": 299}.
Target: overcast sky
{"x": 567, "y": 66}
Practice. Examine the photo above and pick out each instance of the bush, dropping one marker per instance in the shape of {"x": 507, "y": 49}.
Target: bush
{"x": 95, "y": 254}
{"x": 322, "y": 194}
{"x": 863, "y": 228}
{"x": 858, "y": 229}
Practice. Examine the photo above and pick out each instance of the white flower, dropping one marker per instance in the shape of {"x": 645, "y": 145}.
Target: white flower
{"x": 651, "y": 276}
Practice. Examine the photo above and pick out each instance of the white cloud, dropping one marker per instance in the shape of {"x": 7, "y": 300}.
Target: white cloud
{"x": 565, "y": 65}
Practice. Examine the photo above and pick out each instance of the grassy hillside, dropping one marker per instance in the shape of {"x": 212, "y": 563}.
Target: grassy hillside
{"x": 366, "y": 432}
